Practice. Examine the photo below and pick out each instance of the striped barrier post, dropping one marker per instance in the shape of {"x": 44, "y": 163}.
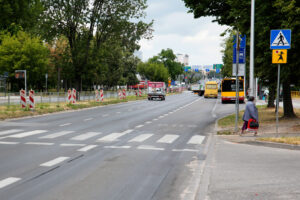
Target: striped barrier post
{"x": 73, "y": 96}
{"x": 167, "y": 90}
{"x": 120, "y": 94}
{"x": 23, "y": 98}
{"x": 97, "y": 95}
{"x": 101, "y": 96}
{"x": 140, "y": 92}
{"x": 69, "y": 100}
{"x": 136, "y": 93}
{"x": 124, "y": 94}
{"x": 31, "y": 99}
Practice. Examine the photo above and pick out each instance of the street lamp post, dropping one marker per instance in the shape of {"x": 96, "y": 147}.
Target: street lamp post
{"x": 251, "y": 72}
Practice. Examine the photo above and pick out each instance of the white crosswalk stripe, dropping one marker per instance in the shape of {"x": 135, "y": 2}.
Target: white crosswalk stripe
{"x": 10, "y": 131}
{"x": 26, "y": 134}
{"x": 85, "y": 136}
{"x": 8, "y": 181}
{"x": 168, "y": 139}
{"x": 141, "y": 138}
{"x": 113, "y": 136}
{"x": 87, "y": 148}
{"x": 55, "y": 135}
{"x": 196, "y": 139}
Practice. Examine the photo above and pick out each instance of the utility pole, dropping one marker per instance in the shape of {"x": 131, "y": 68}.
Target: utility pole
{"x": 251, "y": 72}
{"x": 237, "y": 81}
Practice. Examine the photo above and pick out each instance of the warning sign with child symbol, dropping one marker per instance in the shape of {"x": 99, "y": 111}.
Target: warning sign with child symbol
{"x": 279, "y": 56}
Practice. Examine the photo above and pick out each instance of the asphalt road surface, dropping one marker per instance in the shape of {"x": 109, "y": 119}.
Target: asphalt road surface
{"x": 138, "y": 150}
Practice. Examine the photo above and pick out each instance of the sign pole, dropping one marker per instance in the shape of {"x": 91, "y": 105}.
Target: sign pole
{"x": 251, "y": 71}
{"x": 237, "y": 82}
{"x": 277, "y": 99}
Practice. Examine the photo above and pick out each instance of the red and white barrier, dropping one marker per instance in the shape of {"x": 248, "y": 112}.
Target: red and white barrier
{"x": 23, "y": 98}
{"x": 97, "y": 97}
{"x": 167, "y": 90}
{"x": 71, "y": 96}
{"x": 124, "y": 94}
{"x": 120, "y": 94}
{"x": 140, "y": 92}
{"x": 74, "y": 96}
{"x": 136, "y": 93}
{"x": 31, "y": 99}
{"x": 101, "y": 96}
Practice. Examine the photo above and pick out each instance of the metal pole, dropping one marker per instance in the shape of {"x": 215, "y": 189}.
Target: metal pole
{"x": 277, "y": 98}
{"x": 25, "y": 83}
{"x": 237, "y": 82}
{"x": 251, "y": 72}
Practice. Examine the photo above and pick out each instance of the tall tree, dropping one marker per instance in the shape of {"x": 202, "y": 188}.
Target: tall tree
{"x": 80, "y": 21}
{"x": 269, "y": 15}
{"x": 168, "y": 59}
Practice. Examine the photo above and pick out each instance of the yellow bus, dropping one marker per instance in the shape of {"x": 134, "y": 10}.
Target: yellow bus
{"x": 211, "y": 89}
{"x": 228, "y": 90}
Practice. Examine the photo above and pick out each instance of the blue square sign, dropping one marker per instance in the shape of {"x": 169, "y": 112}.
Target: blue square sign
{"x": 280, "y": 39}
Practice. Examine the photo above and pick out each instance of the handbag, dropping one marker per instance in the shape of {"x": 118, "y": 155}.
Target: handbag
{"x": 252, "y": 123}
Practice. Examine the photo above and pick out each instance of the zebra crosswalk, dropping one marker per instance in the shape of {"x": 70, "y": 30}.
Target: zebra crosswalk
{"x": 130, "y": 136}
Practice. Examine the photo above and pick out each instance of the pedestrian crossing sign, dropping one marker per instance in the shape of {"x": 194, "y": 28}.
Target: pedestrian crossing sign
{"x": 280, "y": 39}
{"x": 279, "y": 56}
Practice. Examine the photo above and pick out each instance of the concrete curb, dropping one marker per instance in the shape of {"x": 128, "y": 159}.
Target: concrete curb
{"x": 273, "y": 145}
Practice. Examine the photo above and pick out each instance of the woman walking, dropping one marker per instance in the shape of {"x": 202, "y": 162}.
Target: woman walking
{"x": 250, "y": 113}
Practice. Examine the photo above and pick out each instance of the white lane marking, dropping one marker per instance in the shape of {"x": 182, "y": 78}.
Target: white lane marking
{"x": 139, "y": 126}
{"x": 85, "y": 136}
{"x": 117, "y": 147}
{"x": 148, "y": 122}
{"x": 214, "y": 109}
{"x": 55, "y": 135}
{"x": 67, "y": 124}
{"x": 127, "y": 131}
{"x": 141, "y": 138}
{"x": 8, "y": 181}
{"x": 168, "y": 139}
{"x": 54, "y": 161}
{"x": 185, "y": 150}
{"x": 105, "y": 115}
{"x": 192, "y": 126}
{"x": 10, "y": 131}
{"x": 29, "y": 133}
{"x": 196, "y": 139}
{"x": 87, "y": 148}
{"x": 160, "y": 117}
{"x": 40, "y": 143}
{"x": 71, "y": 145}
{"x": 113, "y": 136}
{"x": 147, "y": 147}
{"x": 88, "y": 119}
{"x": 2, "y": 142}
{"x": 118, "y": 112}
{"x": 155, "y": 119}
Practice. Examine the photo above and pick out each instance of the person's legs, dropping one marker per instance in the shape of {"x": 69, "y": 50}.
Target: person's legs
{"x": 245, "y": 125}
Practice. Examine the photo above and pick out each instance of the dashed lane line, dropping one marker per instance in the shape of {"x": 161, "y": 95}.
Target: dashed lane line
{"x": 10, "y": 131}
{"x": 40, "y": 143}
{"x": 71, "y": 145}
{"x": 8, "y": 181}
{"x": 55, "y": 135}
{"x": 88, "y": 119}
{"x": 3, "y": 142}
{"x": 66, "y": 124}
{"x": 54, "y": 161}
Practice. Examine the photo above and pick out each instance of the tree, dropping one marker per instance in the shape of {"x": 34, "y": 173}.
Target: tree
{"x": 269, "y": 15}
{"x": 167, "y": 58}
{"x": 153, "y": 71}
{"x": 99, "y": 20}
{"x": 24, "y": 13}
{"x": 24, "y": 52}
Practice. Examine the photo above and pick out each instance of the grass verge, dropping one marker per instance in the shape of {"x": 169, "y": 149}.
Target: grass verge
{"x": 286, "y": 140}
{"x": 15, "y": 111}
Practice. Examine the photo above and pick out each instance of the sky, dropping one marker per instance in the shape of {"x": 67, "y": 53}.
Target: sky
{"x": 176, "y": 29}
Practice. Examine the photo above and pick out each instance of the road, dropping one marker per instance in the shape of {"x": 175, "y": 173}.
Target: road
{"x": 135, "y": 150}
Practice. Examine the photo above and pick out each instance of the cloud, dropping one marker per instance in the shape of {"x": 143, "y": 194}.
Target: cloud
{"x": 178, "y": 30}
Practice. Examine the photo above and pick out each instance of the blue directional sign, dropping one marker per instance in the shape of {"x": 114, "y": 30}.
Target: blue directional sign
{"x": 242, "y": 56}
{"x": 280, "y": 39}
{"x": 207, "y": 70}
{"x": 217, "y": 71}
{"x": 196, "y": 70}
{"x": 242, "y": 41}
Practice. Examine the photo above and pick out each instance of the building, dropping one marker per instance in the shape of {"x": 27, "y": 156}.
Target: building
{"x": 182, "y": 58}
